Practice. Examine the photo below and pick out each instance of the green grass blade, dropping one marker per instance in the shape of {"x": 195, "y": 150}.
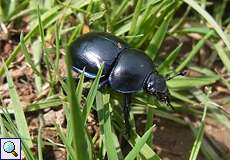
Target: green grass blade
{"x": 149, "y": 123}
{"x": 18, "y": 111}
{"x": 149, "y": 24}
{"x": 135, "y": 17}
{"x": 53, "y": 102}
{"x": 214, "y": 108}
{"x": 57, "y": 47}
{"x": 47, "y": 60}
{"x": 127, "y": 22}
{"x": 207, "y": 149}
{"x": 89, "y": 8}
{"x": 188, "y": 82}
{"x": 117, "y": 146}
{"x": 225, "y": 81}
{"x": 146, "y": 151}
{"x": 3, "y": 131}
{"x": 123, "y": 29}
{"x": 120, "y": 10}
{"x": 179, "y": 22}
{"x": 20, "y": 7}
{"x": 194, "y": 51}
{"x": 203, "y": 30}
{"x": 169, "y": 60}
{"x": 199, "y": 137}
{"x": 37, "y": 57}
{"x": 209, "y": 19}
{"x": 22, "y": 13}
{"x": 28, "y": 57}
{"x": 158, "y": 38}
{"x": 102, "y": 103}
{"x": 75, "y": 33}
{"x": 182, "y": 97}
{"x": 78, "y": 93}
{"x": 223, "y": 56}
{"x": 13, "y": 4}
{"x": 79, "y": 140}
{"x": 107, "y": 16}
{"x": 68, "y": 138}
{"x": 139, "y": 144}
{"x": 96, "y": 16}
{"x": 10, "y": 126}
{"x": 80, "y": 86}
{"x": 67, "y": 143}
{"x": 203, "y": 70}
{"x": 141, "y": 110}
{"x": 148, "y": 11}
{"x": 91, "y": 95}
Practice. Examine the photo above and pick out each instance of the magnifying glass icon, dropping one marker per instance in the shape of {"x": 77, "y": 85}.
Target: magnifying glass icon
{"x": 9, "y": 147}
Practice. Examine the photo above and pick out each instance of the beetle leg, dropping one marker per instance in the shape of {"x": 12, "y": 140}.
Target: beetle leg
{"x": 126, "y": 113}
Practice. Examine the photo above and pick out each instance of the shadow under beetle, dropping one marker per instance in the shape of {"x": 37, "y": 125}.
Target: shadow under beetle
{"x": 126, "y": 70}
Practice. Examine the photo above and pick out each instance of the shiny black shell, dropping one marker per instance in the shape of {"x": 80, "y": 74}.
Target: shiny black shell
{"x": 130, "y": 71}
{"x": 125, "y": 69}
{"x": 92, "y": 49}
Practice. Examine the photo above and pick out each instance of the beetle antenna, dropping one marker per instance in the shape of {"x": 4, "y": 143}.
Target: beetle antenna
{"x": 169, "y": 104}
{"x": 183, "y": 73}
{"x": 167, "y": 100}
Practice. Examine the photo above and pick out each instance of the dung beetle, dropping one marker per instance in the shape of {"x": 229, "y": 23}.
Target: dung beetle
{"x": 126, "y": 70}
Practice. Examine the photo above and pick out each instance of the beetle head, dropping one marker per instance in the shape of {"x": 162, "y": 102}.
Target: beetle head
{"x": 156, "y": 85}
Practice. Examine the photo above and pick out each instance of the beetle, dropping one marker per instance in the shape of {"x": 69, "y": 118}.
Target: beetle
{"x": 126, "y": 70}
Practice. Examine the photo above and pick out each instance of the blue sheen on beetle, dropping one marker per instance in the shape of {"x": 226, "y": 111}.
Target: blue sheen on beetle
{"x": 126, "y": 70}
{"x": 89, "y": 75}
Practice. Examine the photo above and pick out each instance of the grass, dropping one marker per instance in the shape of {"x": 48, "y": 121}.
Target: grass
{"x": 19, "y": 114}
{"x": 53, "y": 25}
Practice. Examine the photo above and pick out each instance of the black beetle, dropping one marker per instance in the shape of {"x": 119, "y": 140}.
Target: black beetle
{"x": 126, "y": 70}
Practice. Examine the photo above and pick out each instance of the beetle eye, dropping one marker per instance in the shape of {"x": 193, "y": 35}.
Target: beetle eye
{"x": 150, "y": 84}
